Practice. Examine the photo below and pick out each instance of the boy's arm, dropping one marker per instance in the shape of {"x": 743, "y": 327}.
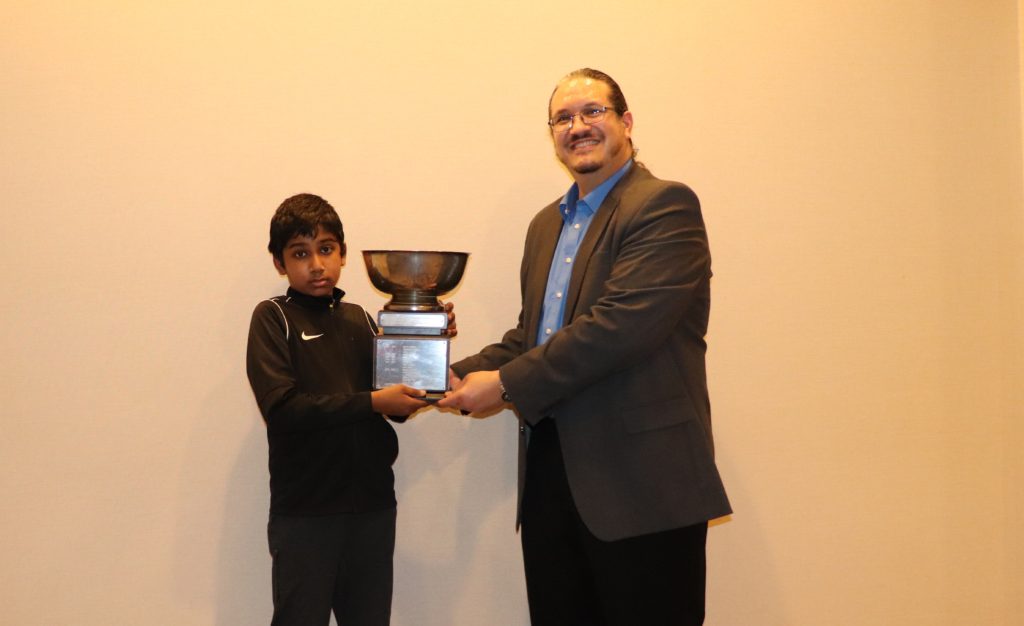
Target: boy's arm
{"x": 284, "y": 407}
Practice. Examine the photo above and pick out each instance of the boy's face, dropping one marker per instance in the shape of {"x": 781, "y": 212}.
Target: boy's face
{"x": 312, "y": 264}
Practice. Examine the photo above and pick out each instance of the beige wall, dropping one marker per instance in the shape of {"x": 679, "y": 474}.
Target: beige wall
{"x": 861, "y": 174}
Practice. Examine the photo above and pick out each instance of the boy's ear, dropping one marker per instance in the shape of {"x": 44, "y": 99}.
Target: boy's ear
{"x": 344, "y": 254}
{"x": 279, "y": 266}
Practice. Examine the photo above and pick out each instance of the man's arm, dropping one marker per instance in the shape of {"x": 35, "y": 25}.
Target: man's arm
{"x": 474, "y": 380}
{"x": 494, "y": 355}
{"x": 513, "y": 343}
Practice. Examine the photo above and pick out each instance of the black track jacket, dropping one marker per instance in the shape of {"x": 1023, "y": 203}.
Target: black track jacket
{"x": 309, "y": 363}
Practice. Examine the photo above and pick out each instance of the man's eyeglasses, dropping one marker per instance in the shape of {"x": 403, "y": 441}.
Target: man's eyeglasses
{"x": 590, "y": 115}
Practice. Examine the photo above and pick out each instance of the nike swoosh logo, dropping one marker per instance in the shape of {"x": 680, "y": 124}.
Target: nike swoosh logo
{"x": 306, "y": 337}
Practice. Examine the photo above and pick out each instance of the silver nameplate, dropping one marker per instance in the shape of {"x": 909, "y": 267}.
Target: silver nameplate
{"x": 420, "y": 362}
{"x": 429, "y": 319}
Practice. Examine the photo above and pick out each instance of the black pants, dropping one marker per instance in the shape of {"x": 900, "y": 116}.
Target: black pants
{"x": 333, "y": 562}
{"x": 575, "y": 579}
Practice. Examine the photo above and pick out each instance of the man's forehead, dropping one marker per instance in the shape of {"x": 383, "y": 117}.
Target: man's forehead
{"x": 576, "y": 86}
{"x": 578, "y": 81}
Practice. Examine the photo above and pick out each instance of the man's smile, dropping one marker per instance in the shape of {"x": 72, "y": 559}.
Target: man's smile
{"x": 583, "y": 144}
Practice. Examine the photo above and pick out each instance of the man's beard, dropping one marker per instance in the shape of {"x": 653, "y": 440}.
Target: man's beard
{"x": 587, "y": 168}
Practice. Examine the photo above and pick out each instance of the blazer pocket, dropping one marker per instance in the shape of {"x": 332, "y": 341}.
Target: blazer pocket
{"x": 652, "y": 416}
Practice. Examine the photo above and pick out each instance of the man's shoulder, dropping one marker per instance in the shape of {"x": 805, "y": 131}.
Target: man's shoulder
{"x": 643, "y": 189}
{"x": 642, "y": 179}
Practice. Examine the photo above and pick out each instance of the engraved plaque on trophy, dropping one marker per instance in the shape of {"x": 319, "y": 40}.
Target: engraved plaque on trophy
{"x": 414, "y": 348}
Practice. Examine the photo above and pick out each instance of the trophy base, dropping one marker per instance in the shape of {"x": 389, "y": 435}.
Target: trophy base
{"x": 417, "y": 361}
{"x": 414, "y": 301}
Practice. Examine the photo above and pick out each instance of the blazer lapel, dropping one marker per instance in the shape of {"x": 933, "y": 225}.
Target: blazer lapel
{"x": 549, "y": 228}
{"x": 595, "y": 232}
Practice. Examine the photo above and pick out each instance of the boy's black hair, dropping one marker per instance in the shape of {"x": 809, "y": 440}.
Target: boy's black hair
{"x": 303, "y": 214}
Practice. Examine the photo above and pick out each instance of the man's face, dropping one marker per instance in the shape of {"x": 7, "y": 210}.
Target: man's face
{"x": 593, "y": 151}
{"x": 312, "y": 264}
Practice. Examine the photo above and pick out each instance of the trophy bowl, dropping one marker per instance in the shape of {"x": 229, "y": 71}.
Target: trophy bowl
{"x": 414, "y": 278}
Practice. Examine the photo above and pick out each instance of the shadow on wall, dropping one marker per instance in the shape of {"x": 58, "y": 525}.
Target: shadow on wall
{"x": 749, "y": 594}
{"x": 455, "y": 479}
{"x": 243, "y": 572}
{"x": 221, "y": 562}
{"x": 456, "y": 494}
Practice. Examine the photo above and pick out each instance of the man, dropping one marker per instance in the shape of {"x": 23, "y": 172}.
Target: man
{"x": 606, "y": 372}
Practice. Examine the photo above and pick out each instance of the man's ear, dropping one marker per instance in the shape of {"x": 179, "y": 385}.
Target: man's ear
{"x": 279, "y": 266}
{"x": 344, "y": 254}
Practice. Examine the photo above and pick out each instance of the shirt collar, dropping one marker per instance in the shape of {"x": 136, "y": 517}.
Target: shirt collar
{"x": 593, "y": 200}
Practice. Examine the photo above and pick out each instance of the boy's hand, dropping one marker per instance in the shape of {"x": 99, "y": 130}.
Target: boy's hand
{"x": 452, "y": 330}
{"x": 454, "y": 382}
{"x": 397, "y": 400}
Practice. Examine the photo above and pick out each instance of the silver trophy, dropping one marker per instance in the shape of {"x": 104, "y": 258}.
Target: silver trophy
{"x": 414, "y": 348}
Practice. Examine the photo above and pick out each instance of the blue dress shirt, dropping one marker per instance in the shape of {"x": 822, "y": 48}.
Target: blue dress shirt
{"x": 577, "y": 213}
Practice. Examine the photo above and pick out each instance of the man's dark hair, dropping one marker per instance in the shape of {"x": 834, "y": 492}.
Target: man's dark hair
{"x": 302, "y": 215}
{"x": 617, "y": 98}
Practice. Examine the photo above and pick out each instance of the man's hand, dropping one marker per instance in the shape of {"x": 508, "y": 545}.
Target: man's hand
{"x": 478, "y": 392}
{"x": 397, "y": 400}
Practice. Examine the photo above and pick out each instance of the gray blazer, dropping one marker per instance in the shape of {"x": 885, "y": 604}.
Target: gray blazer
{"x": 624, "y": 378}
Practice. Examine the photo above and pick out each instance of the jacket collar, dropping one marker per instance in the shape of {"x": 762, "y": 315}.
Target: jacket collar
{"x": 315, "y": 302}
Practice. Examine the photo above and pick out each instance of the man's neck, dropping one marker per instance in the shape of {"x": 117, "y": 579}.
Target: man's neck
{"x": 590, "y": 181}
{"x": 587, "y": 184}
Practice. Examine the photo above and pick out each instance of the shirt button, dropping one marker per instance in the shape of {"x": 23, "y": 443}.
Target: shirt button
{"x": 568, "y": 259}
{"x": 547, "y": 331}
{"x": 576, "y": 226}
{"x": 558, "y": 294}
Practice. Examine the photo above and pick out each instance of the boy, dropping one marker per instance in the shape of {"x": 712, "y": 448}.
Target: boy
{"x": 332, "y": 497}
